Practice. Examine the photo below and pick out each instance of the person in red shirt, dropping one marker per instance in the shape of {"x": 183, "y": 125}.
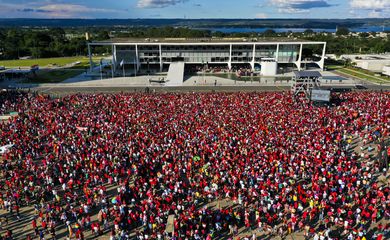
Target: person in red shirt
{"x": 35, "y": 227}
{"x": 44, "y": 225}
{"x": 168, "y": 153}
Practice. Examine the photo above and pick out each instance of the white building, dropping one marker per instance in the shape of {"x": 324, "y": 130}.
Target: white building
{"x": 265, "y": 55}
{"x": 372, "y": 65}
{"x": 370, "y": 62}
{"x": 386, "y": 70}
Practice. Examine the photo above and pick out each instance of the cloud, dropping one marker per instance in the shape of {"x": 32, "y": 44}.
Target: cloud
{"x": 6, "y": 7}
{"x": 42, "y": 11}
{"x": 292, "y": 10}
{"x": 54, "y": 10}
{"x": 261, "y": 15}
{"x": 374, "y": 14}
{"x": 158, "y": 3}
{"x": 71, "y": 10}
{"x": 370, "y": 4}
{"x": 26, "y": 10}
{"x": 372, "y": 8}
{"x": 298, "y": 6}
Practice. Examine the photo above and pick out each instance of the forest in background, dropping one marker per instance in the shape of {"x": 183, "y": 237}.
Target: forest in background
{"x": 63, "y": 42}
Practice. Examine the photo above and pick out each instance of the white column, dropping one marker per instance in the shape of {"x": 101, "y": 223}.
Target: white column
{"x": 253, "y": 57}
{"x": 322, "y": 61}
{"x": 90, "y": 58}
{"x": 113, "y": 64}
{"x": 114, "y": 56}
{"x": 277, "y": 53}
{"x": 300, "y": 58}
{"x": 136, "y": 56}
{"x": 230, "y": 58}
{"x": 161, "y": 63}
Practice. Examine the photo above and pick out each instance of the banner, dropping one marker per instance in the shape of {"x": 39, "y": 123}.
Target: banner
{"x": 5, "y": 148}
{"x": 82, "y": 128}
{"x": 320, "y": 95}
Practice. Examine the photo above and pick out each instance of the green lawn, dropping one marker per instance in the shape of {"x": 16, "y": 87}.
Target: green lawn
{"x": 385, "y": 78}
{"x": 334, "y": 67}
{"x": 54, "y": 76}
{"x": 47, "y": 62}
{"x": 362, "y": 75}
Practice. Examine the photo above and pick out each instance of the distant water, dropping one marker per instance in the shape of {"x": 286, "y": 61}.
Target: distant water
{"x": 280, "y": 30}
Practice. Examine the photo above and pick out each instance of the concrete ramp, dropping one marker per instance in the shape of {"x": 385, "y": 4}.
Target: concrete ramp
{"x": 175, "y": 74}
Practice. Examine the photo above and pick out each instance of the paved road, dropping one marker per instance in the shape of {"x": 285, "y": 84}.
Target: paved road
{"x": 68, "y": 90}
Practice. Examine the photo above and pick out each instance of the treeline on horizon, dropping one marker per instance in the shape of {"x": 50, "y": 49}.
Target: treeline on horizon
{"x": 64, "y": 42}
{"x": 196, "y": 23}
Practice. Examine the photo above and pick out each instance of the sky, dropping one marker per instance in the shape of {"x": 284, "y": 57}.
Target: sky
{"x": 194, "y": 8}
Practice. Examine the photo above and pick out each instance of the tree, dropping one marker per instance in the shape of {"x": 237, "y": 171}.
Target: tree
{"x": 39, "y": 44}
{"x": 342, "y": 31}
{"x": 102, "y": 35}
{"x": 308, "y": 32}
{"x": 12, "y": 44}
{"x": 347, "y": 62}
{"x": 2, "y": 41}
{"x": 379, "y": 47}
{"x": 269, "y": 33}
{"x": 219, "y": 34}
{"x": 387, "y": 46}
{"x": 58, "y": 34}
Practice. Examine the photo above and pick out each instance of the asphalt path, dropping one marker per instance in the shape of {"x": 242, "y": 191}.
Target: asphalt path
{"x": 69, "y": 90}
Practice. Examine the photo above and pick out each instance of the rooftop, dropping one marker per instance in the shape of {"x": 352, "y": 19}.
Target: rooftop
{"x": 307, "y": 74}
{"x": 199, "y": 40}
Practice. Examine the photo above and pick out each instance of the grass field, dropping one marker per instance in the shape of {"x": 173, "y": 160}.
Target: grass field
{"x": 54, "y": 76}
{"x": 367, "y": 72}
{"x": 49, "y": 62}
{"x": 359, "y": 73}
{"x": 334, "y": 67}
{"x": 363, "y": 75}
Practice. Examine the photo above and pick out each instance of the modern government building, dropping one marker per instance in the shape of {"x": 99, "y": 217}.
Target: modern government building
{"x": 266, "y": 56}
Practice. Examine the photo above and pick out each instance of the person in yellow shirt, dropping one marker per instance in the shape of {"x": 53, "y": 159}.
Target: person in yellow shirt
{"x": 311, "y": 203}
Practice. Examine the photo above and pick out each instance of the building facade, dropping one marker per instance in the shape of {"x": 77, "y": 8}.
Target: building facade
{"x": 165, "y": 51}
{"x": 386, "y": 70}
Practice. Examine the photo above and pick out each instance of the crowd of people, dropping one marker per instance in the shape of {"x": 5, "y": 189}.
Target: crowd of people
{"x": 10, "y": 99}
{"x": 213, "y": 163}
{"x": 243, "y": 70}
{"x": 193, "y": 69}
